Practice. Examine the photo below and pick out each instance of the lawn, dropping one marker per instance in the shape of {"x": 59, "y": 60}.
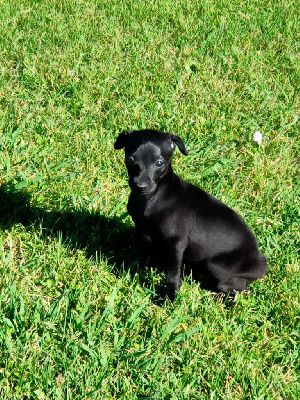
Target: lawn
{"x": 78, "y": 318}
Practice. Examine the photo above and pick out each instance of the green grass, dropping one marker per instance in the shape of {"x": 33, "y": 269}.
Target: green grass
{"x": 77, "y": 317}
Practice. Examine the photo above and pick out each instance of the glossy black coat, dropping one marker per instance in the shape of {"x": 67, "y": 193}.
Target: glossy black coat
{"x": 178, "y": 223}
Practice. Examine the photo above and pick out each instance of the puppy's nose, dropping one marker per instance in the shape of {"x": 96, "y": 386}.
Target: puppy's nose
{"x": 141, "y": 185}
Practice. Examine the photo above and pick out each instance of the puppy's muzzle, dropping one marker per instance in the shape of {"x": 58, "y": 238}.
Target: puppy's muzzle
{"x": 142, "y": 186}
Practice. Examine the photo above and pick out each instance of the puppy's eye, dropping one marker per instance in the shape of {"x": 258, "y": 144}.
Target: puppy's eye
{"x": 130, "y": 160}
{"x": 159, "y": 163}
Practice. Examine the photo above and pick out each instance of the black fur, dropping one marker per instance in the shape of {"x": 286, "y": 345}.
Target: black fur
{"x": 178, "y": 223}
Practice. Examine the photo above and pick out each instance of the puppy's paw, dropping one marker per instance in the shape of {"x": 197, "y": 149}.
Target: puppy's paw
{"x": 233, "y": 285}
{"x": 161, "y": 300}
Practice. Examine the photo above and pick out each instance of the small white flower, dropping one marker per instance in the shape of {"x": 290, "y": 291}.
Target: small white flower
{"x": 258, "y": 136}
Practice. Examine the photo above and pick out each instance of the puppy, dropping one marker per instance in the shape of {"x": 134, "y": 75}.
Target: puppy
{"x": 178, "y": 223}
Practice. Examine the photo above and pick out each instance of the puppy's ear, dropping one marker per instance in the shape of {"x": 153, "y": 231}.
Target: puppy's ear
{"x": 178, "y": 141}
{"x": 121, "y": 140}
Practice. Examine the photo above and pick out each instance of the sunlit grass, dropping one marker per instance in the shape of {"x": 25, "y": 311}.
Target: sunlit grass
{"x": 77, "y": 317}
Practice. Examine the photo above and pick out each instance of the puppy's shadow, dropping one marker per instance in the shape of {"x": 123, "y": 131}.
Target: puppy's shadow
{"x": 110, "y": 237}
{"x": 96, "y": 233}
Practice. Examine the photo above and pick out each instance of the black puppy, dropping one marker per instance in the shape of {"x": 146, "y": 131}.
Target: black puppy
{"x": 178, "y": 223}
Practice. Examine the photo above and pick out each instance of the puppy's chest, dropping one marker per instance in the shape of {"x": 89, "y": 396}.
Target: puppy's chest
{"x": 148, "y": 221}
{"x": 140, "y": 210}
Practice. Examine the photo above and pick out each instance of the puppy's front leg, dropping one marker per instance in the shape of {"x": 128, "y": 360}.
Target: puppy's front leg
{"x": 144, "y": 244}
{"x": 145, "y": 250}
{"x": 173, "y": 268}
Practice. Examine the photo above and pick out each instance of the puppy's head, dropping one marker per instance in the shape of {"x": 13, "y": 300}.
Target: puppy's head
{"x": 148, "y": 156}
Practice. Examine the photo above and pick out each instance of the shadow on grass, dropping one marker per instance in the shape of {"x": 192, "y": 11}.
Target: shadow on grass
{"x": 93, "y": 232}
{"x": 81, "y": 229}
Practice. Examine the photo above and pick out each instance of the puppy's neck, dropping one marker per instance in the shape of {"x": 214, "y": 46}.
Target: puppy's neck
{"x": 169, "y": 176}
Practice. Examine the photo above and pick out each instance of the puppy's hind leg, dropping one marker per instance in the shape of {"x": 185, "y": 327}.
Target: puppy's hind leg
{"x": 240, "y": 274}
{"x": 225, "y": 268}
